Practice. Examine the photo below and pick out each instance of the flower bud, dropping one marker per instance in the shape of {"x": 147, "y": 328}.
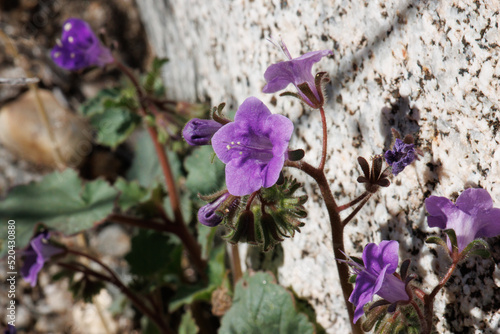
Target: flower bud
{"x": 200, "y": 131}
{"x": 208, "y": 215}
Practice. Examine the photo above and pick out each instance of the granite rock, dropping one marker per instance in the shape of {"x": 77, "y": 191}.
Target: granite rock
{"x": 427, "y": 68}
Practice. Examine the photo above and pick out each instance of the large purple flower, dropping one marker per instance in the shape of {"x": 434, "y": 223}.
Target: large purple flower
{"x": 38, "y": 252}
{"x": 400, "y": 156}
{"x": 79, "y": 47}
{"x": 296, "y": 71}
{"x": 376, "y": 277}
{"x": 200, "y": 131}
{"x": 253, "y": 147}
{"x": 472, "y": 217}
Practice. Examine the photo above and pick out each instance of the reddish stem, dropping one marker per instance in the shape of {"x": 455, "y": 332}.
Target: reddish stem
{"x": 113, "y": 279}
{"x": 356, "y": 210}
{"x": 325, "y": 140}
{"x": 429, "y": 300}
{"x": 353, "y": 202}
{"x": 337, "y": 230}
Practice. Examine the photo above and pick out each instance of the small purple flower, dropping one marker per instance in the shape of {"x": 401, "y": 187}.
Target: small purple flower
{"x": 38, "y": 252}
{"x": 472, "y": 217}
{"x": 208, "y": 216}
{"x": 376, "y": 277}
{"x": 401, "y": 156}
{"x": 79, "y": 47}
{"x": 200, "y": 131}
{"x": 253, "y": 147}
{"x": 296, "y": 71}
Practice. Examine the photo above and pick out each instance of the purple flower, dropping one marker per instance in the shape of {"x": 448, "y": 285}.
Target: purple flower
{"x": 253, "y": 147}
{"x": 401, "y": 156}
{"x": 297, "y": 72}
{"x": 472, "y": 217}
{"x": 38, "y": 252}
{"x": 208, "y": 216}
{"x": 200, "y": 131}
{"x": 376, "y": 277}
{"x": 79, "y": 47}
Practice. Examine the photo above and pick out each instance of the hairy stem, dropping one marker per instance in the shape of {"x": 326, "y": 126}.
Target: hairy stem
{"x": 353, "y": 202}
{"x": 429, "y": 300}
{"x": 325, "y": 140}
{"x": 356, "y": 210}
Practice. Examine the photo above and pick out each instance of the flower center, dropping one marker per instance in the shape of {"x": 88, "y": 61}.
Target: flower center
{"x": 258, "y": 148}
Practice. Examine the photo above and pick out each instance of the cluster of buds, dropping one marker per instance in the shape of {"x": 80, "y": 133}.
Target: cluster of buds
{"x": 262, "y": 218}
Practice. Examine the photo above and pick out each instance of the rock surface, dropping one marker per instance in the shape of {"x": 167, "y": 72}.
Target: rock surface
{"x": 429, "y": 68}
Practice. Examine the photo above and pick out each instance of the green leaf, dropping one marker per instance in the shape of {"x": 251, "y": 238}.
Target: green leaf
{"x": 146, "y": 168}
{"x": 204, "y": 176}
{"x": 188, "y": 325}
{"x": 113, "y": 126}
{"x": 261, "y": 306}
{"x": 190, "y": 293}
{"x": 484, "y": 253}
{"x": 60, "y": 201}
{"x": 112, "y": 114}
{"x": 131, "y": 193}
{"x": 150, "y": 253}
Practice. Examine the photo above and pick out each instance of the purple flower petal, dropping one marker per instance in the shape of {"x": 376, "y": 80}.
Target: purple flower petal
{"x": 38, "y": 252}
{"x": 294, "y": 71}
{"x": 253, "y": 147}
{"x": 376, "y": 277}
{"x": 472, "y": 217}
{"x": 439, "y": 208}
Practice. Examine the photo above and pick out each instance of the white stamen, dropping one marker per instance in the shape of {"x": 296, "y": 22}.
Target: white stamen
{"x": 58, "y": 42}
{"x": 228, "y": 147}
{"x": 71, "y": 39}
{"x": 72, "y": 55}
{"x": 241, "y": 153}
{"x": 280, "y": 45}
{"x": 232, "y": 143}
{"x": 67, "y": 26}
{"x": 57, "y": 54}
{"x": 238, "y": 143}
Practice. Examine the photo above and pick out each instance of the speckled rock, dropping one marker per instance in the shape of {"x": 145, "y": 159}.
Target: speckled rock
{"x": 429, "y": 68}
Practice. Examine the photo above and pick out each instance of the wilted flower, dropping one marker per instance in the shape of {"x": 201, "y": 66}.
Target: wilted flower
{"x": 297, "y": 71}
{"x": 79, "y": 47}
{"x": 38, "y": 252}
{"x": 400, "y": 156}
{"x": 376, "y": 277}
{"x": 253, "y": 147}
{"x": 200, "y": 131}
{"x": 472, "y": 217}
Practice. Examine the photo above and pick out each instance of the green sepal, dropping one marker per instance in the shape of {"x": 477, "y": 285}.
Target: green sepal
{"x": 437, "y": 241}
{"x": 352, "y": 279}
{"x": 483, "y": 251}
{"x": 453, "y": 238}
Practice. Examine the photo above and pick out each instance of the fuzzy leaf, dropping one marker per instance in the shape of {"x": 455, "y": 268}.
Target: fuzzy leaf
{"x": 204, "y": 176}
{"x": 110, "y": 113}
{"x": 262, "y": 306}
{"x": 61, "y": 201}
{"x": 131, "y": 193}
